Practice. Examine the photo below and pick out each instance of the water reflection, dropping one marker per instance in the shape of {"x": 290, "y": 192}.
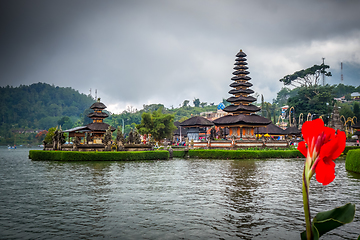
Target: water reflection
{"x": 190, "y": 199}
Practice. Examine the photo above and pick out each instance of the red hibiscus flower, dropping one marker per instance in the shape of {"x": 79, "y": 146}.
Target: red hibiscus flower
{"x": 321, "y": 146}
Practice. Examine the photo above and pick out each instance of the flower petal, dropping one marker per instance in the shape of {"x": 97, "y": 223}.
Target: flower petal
{"x": 302, "y": 148}
{"x": 325, "y": 172}
{"x": 311, "y": 131}
{"x": 312, "y": 128}
{"x": 333, "y": 148}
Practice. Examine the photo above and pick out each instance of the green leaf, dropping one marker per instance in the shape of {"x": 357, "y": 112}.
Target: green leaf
{"x": 329, "y": 220}
{"x": 315, "y": 234}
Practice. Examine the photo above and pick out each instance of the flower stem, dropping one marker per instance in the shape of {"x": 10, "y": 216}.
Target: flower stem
{"x": 305, "y": 189}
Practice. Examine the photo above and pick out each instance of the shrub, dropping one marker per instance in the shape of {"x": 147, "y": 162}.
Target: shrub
{"x": 243, "y": 154}
{"x": 40, "y": 155}
{"x": 179, "y": 154}
{"x": 352, "y": 162}
{"x": 347, "y": 148}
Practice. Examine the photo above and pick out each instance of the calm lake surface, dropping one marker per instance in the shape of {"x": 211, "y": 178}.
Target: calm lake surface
{"x": 175, "y": 199}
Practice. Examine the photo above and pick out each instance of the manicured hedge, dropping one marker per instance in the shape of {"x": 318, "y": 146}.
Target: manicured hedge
{"x": 179, "y": 154}
{"x": 238, "y": 154}
{"x": 352, "y": 162}
{"x": 347, "y": 148}
{"x": 40, "y": 155}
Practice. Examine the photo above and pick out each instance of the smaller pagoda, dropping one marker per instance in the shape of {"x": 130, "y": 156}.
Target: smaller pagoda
{"x": 98, "y": 127}
{"x": 94, "y": 132}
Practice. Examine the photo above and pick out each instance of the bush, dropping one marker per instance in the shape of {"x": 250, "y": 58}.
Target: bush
{"x": 347, "y": 148}
{"x": 40, "y": 155}
{"x": 179, "y": 154}
{"x": 352, "y": 162}
{"x": 243, "y": 154}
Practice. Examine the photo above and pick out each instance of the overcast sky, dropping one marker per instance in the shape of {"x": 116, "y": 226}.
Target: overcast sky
{"x": 158, "y": 51}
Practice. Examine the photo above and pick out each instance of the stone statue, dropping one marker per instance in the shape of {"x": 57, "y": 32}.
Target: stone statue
{"x": 136, "y": 137}
{"x": 88, "y": 138}
{"x": 165, "y": 144}
{"x": 58, "y": 139}
{"x": 221, "y": 133}
{"x": 77, "y": 141}
{"x": 212, "y": 133}
{"x": 233, "y": 137}
{"x": 130, "y": 138}
{"x": 187, "y": 143}
{"x": 107, "y": 139}
{"x": 119, "y": 139}
{"x": 192, "y": 143}
{"x": 55, "y": 139}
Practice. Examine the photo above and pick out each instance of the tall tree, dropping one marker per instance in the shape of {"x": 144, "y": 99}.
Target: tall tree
{"x": 185, "y": 103}
{"x": 315, "y": 100}
{"x": 357, "y": 111}
{"x": 268, "y": 111}
{"x": 262, "y": 106}
{"x": 196, "y": 102}
{"x": 157, "y": 124}
{"x": 307, "y": 77}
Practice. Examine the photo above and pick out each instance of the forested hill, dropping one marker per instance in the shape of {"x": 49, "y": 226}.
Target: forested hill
{"x": 39, "y": 106}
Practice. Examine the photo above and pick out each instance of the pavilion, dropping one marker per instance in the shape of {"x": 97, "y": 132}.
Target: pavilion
{"x": 272, "y": 130}
{"x": 196, "y": 126}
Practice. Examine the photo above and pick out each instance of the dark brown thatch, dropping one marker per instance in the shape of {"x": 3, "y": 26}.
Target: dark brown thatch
{"x": 240, "y": 72}
{"x": 98, "y": 115}
{"x": 235, "y": 91}
{"x": 234, "y": 108}
{"x": 99, "y": 127}
{"x": 177, "y": 131}
{"x": 292, "y": 131}
{"x": 197, "y": 121}
{"x": 240, "y": 119}
{"x": 240, "y": 78}
{"x": 271, "y": 129}
{"x": 356, "y": 126}
{"x": 98, "y": 105}
{"x": 240, "y": 63}
{"x": 241, "y": 98}
{"x": 238, "y": 84}
{"x": 239, "y": 67}
{"x": 241, "y": 54}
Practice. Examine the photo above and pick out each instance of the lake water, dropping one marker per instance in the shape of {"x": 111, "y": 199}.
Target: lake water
{"x": 175, "y": 199}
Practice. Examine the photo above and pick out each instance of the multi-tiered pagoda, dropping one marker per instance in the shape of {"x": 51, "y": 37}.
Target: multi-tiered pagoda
{"x": 98, "y": 127}
{"x": 242, "y": 119}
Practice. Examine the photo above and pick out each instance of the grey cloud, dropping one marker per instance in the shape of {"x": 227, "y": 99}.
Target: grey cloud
{"x": 134, "y": 52}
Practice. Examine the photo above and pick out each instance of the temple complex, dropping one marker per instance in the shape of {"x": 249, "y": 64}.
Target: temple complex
{"x": 241, "y": 119}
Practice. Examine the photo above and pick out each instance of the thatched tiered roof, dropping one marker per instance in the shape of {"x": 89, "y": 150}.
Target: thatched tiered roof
{"x": 243, "y": 112}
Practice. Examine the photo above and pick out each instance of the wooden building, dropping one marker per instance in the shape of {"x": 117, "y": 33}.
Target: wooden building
{"x": 93, "y": 133}
{"x": 242, "y": 120}
{"x": 196, "y": 127}
{"x": 272, "y": 130}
